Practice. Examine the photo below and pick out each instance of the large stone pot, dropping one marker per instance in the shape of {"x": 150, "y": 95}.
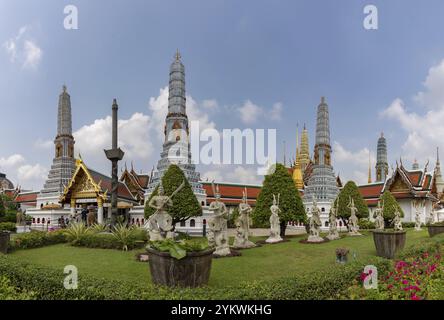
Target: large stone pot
{"x": 434, "y": 230}
{"x": 4, "y": 241}
{"x": 388, "y": 243}
{"x": 191, "y": 271}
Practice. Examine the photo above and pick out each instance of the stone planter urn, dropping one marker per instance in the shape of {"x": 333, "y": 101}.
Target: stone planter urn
{"x": 4, "y": 241}
{"x": 388, "y": 243}
{"x": 191, "y": 271}
{"x": 342, "y": 255}
{"x": 434, "y": 230}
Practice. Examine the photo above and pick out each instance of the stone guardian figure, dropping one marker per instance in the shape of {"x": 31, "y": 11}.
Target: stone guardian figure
{"x": 243, "y": 224}
{"x": 397, "y": 224}
{"x": 379, "y": 217}
{"x": 417, "y": 220}
{"x": 275, "y": 224}
{"x": 217, "y": 225}
{"x": 160, "y": 223}
{"x": 353, "y": 225}
{"x": 333, "y": 233}
{"x": 315, "y": 223}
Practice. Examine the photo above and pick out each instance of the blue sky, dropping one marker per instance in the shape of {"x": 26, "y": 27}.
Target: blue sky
{"x": 276, "y": 58}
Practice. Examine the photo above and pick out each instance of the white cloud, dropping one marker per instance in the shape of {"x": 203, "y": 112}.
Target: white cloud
{"x": 22, "y": 49}
{"x": 353, "y": 165}
{"x": 11, "y": 161}
{"x": 424, "y": 129}
{"x": 134, "y": 139}
{"x": 44, "y": 144}
{"x": 32, "y": 54}
{"x": 249, "y": 112}
{"x": 22, "y": 173}
{"x": 276, "y": 111}
{"x": 210, "y": 104}
{"x": 433, "y": 96}
{"x": 31, "y": 173}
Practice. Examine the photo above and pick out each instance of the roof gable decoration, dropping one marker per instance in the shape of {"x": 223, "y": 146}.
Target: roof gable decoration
{"x": 82, "y": 185}
{"x": 399, "y": 181}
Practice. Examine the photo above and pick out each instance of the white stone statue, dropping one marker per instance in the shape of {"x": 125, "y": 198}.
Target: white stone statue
{"x": 418, "y": 220}
{"x": 217, "y": 225}
{"x": 431, "y": 217}
{"x": 333, "y": 233}
{"x": 275, "y": 225}
{"x": 315, "y": 223}
{"x": 379, "y": 217}
{"x": 397, "y": 223}
{"x": 243, "y": 224}
{"x": 160, "y": 223}
{"x": 353, "y": 225}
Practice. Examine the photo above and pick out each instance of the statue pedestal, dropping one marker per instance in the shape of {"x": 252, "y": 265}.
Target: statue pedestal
{"x": 315, "y": 239}
{"x": 333, "y": 236}
{"x": 243, "y": 244}
{"x": 222, "y": 252}
{"x": 274, "y": 239}
{"x": 354, "y": 234}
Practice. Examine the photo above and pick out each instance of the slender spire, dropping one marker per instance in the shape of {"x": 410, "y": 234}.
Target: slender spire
{"x": 178, "y": 56}
{"x": 285, "y": 154}
{"x": 297, "y": 143}
{"x": 369, "y": 169}
{"x": 304, "y": 151}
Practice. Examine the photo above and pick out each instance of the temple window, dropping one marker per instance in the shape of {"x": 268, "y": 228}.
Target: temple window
{"x": 192, "y": 223}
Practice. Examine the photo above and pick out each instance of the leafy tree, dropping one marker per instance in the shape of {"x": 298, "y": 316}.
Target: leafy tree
{"x": 390, "y": 206}
{"x": 343, "y": 199}
{"x": 185, "y": 204}
{"x": 2, "y": 206}
{"x": 233, "y": 217}
{"x": 290, "y": 202}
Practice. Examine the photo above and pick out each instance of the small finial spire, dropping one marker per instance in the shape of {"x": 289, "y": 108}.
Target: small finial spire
{"x": 382, "y": 134}
{"x": 178, "y": 56}
{"x": 64, "y": 88}
{"x": 437, "y": 154}
{"x": 322, "y": 100}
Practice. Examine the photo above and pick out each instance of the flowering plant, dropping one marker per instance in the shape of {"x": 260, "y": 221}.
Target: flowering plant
{"x": 342, "y": 251}
{"x": 410, "y": 279}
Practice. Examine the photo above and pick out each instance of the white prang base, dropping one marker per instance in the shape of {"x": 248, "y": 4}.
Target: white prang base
{"x": 315, "y": 239}
{"x": 274, "y": 240}
{"x": 354, "y": 234}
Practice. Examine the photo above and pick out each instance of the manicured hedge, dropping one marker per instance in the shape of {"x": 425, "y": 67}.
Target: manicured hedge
{"x": 8, "y": 226}
{"x": 36, "y": 239}
{"x": 108, "y": 241}
{"x": 47, "y": 283}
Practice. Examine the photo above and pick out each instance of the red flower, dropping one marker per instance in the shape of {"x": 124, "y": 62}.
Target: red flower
{"x": 415, "y": 297}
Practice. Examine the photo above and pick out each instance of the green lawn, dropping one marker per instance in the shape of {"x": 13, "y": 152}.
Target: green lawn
{"x": 266, "y": 262}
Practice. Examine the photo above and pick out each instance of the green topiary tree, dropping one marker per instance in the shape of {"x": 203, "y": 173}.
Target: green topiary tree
{"x": 343, "y": 199}
{"x": 233, "y": 217}
{"x": 290, "y": 203}
{"x": 185, "y": 204}
{"x": 390, "y": 205}
{"x": 2, "y": 206}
